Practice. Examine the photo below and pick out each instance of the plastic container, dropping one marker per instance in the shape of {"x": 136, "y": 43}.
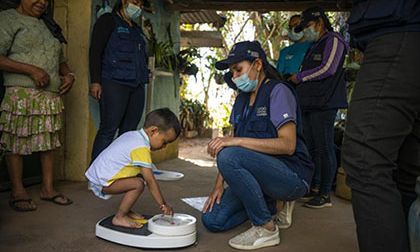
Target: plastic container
{"x": 179, "y": 224}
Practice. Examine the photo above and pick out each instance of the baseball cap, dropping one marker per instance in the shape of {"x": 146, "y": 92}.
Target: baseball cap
{"x": 246, "y": 50}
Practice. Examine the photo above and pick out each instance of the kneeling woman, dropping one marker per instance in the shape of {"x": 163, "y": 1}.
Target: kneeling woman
{"x": 265, "y": 161}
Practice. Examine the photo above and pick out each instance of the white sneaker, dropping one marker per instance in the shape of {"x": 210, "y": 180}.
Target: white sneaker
{"x": 284, "y": 218}
{"x": 256, "y": 237}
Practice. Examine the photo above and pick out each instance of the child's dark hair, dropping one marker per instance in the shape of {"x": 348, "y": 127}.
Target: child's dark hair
{"x": 164, "y": 119}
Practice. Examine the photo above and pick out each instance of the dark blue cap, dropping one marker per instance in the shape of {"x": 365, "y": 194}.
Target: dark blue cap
{"x": 308, "y": 15}
{"x": 246, "y": 50}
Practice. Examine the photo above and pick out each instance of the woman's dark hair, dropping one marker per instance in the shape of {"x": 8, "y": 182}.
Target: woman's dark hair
{"x": 164, "y": 119}
{"x": 270, "y": 71}
{"x": 326, "y": 21}
{"x": 118, "y": 6}
{"x": 295, "y": 16}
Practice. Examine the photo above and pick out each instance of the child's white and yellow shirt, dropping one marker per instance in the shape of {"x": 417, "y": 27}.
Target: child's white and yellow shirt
{"x": 124, "y": 158}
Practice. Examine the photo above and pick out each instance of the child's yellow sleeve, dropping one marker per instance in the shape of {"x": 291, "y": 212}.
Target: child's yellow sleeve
{"x": 141, "y": 157}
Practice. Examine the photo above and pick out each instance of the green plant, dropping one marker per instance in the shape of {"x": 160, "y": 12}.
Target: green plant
{"x": 194, "y": 115}
{"x": 185, "y": 60}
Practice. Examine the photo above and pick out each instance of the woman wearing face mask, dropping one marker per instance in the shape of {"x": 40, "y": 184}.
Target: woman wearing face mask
{"x": 291, "y": 57}
{"x": 321, "y": 91}
{"x": 118, "y": 71}
{"x": 266, "y": 160}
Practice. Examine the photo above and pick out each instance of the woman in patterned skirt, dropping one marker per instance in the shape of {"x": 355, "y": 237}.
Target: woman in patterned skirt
{"x": 35, "y": 76}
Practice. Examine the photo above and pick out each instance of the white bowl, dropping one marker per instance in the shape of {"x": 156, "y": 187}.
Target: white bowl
{"x": 176, "y": 225}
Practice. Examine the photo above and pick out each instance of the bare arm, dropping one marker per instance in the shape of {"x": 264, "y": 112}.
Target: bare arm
{"x": 67, "y": 78}
{"x": 155, "y": 190}
{"x": 12, "y": 66}
{"x": 285, "y": 144}
{"x": 65, "y": 69}
{"x": 40, "y": 77}
{"x": 215, "y": 195}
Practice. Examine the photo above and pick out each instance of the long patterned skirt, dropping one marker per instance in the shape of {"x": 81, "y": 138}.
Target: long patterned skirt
{"x": 30, "y": 121}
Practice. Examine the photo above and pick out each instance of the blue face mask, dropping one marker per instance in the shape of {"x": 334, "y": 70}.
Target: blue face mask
{"x": 245, "y": 84}
{"x": 311, "y": 34}
{"x": 295, "y": 36}
{"x": 132, "y": 11}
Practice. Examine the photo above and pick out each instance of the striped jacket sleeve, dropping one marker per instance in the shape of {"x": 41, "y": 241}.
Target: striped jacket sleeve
{"x": 331, "y": 59}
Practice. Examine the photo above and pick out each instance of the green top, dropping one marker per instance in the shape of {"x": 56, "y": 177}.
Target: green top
{"x": 27, "y": 39}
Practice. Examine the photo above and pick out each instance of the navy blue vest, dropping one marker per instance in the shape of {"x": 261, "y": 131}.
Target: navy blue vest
{"x": 370, "y": 19}
{"x": 124, "y": 60}
{"x": 328, "y": 93}
{"x": 255, "y": 122}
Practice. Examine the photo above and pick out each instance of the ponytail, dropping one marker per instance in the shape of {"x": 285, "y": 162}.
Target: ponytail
{"x": 327, "y": 22}
{"x": 271, "y": 72}
{"x": 118, "y": 6}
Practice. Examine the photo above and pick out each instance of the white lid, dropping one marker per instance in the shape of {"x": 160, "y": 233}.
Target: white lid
{"x": 176, "y": 225}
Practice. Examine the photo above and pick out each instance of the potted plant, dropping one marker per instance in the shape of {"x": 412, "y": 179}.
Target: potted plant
{"x": 195, "y": 118}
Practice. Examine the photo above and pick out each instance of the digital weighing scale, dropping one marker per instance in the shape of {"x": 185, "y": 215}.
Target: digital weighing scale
{"x": 160, "y": 232}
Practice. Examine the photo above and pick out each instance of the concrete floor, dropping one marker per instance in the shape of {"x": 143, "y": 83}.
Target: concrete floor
{"x": 71, "y": 228}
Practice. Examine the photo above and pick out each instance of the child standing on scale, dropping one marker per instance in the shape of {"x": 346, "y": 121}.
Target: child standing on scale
{"x": 125, "y": 167}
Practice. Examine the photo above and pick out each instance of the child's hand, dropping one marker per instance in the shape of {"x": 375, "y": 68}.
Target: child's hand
{"x": 167, "y": 209}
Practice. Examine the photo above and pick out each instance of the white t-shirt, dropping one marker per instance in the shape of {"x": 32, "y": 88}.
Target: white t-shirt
{"x": 124, "y": 158}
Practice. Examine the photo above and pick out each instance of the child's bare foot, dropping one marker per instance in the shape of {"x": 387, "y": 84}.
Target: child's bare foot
{"x": 135, "y": 216}
{"x": 124, "y": 221}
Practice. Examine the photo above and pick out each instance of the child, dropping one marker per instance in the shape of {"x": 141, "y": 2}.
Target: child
{"x": 126, "y": 166}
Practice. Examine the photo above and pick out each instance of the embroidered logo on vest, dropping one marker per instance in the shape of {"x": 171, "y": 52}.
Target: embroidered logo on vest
{"x": 122, "y": 29}
{"x": 262, "y": 111}
{"x": 317, "y": 57}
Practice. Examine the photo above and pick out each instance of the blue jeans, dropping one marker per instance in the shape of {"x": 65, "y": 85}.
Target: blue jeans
{"x": 121, "y": 108}
{"x": 318, "y": 129}
{"x": 256, "y": 181}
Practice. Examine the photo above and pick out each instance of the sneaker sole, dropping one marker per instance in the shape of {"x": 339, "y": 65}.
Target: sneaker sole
{"x": 284, "y": 226}
{"x": 319, "y": 207}
{"x": 306, "y": 199}
{"x": 271, "y": 243}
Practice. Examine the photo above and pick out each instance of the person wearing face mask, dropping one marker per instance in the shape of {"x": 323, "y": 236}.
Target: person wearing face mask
{"x": 321, "y": 90}
{"x": 291, "y": 57}
{"x": 266, "y": 159}
{"x": 118, "y": 71}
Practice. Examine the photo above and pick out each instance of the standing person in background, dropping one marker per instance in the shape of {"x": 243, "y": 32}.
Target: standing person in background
{"x": 321, "y": 92}
{"x": 381, "y": 148}
{"x": 291, "y": 57}
{"x": 36, "y": 77}
{"x": 118, "y": 71}
{"x": 289, "y": 62}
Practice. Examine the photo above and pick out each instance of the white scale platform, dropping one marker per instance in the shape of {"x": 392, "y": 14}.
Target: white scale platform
{"x": 160, "y": 232}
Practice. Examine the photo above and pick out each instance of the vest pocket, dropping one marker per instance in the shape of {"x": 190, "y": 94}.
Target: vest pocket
{"x": 258, "y": 125}
{"x": 124, "y": 73}
{"x": 126, "y": 44}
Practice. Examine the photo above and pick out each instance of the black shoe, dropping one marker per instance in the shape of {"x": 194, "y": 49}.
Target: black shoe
{"x": 319, "y": 201}
{"x": 310, "y": 195}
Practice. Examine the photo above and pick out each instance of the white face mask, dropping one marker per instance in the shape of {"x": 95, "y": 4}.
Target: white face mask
{"x": 132, "y": 11}
{"x": 244, "y": 83}
{"x": 295, "y": 36}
